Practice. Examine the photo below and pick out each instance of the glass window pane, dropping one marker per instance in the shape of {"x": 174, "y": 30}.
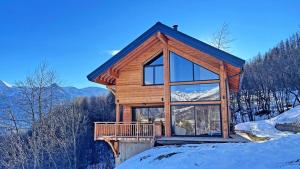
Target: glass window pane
{"x": 208, "y": 120}
{"x": 156, "y": 114}
{"x": 180, "y": 68}
{"x": 159, "y": 74}
{"x": 183, "y": 120}
{"x": 156, "y": 61}
{"x": 140, "y": 114}
{"x": 148, "y": 75}
{"x": 201, "y": 73}
{"x": 148, "y": 114}
{"x": 197, "y": 92}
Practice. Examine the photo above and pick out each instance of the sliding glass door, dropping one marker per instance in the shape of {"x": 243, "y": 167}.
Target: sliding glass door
{"x": 196, "y": 120}
{"x": 183, "y": 120}
{"x": 208, "y": 120}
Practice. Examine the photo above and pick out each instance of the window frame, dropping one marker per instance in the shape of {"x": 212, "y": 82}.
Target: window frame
{"x": 193, "y": 70}
{"x": 148, "y": 111}
{"x": 194, "y": 107}
{"x": 153, "y": 70}
{"x": 199, "y": 101}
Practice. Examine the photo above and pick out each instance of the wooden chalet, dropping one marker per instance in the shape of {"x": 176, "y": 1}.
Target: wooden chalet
{"x": 168, "y": 84}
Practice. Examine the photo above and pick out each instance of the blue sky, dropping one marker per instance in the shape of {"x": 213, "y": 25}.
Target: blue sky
{"x": 76, "y": 36}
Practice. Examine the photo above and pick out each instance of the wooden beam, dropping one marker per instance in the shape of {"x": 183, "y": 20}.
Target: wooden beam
{"x": 111, "y": 88}
{"x": 101, "y": 81}
{"x": 117, "y": 112}
{"x": 192, "y": 103}
{"x": 162, "y": 38}
{"x": 223, "y": 92}
{"x": 135, "y": 53}
{"x": 195, "y": 82}
{"x": 167, "y": 93}
{"x": 113, "y": 73}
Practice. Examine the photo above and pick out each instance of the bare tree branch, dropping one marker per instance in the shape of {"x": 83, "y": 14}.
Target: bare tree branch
{"x": 221, "y": 39}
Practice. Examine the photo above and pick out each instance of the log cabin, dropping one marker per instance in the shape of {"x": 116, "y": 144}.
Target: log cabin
{"x": 167, "y": 85}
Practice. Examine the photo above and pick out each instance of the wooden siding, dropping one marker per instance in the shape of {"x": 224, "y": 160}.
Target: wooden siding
{"x": 129, "y": 85}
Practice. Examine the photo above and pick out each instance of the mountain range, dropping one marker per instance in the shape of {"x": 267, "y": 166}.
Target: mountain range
{"x": 9, "y": 90}
{"x": 10, "y": 95}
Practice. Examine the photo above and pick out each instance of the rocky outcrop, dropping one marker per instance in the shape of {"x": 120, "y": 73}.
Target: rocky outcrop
{"x": 291, "y": 127}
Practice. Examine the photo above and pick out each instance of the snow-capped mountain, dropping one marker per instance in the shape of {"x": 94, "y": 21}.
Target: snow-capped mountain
{"x": 5, "y": 87}
{"x": 5, "y": 84}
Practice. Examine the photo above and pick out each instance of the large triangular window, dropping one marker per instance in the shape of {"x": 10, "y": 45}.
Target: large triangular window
{"x": 182, "y": 70}
{"x": 154, "y": 71}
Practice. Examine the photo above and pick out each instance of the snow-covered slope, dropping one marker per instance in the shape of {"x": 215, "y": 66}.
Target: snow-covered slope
{"x": 283, "y": 153}
{"x": 266, "y": 128}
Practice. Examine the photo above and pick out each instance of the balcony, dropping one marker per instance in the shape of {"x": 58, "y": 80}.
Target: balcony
{"x": 133, "y": 131}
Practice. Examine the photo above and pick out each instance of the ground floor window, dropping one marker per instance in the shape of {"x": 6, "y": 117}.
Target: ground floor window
{"x": 196, "y": 120}
{"x": 148, "y": 114}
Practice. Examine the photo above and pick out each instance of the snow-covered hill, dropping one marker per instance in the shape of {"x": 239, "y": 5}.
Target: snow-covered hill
{"x": 266, "y": 128}
{"x": 283, "y": 153}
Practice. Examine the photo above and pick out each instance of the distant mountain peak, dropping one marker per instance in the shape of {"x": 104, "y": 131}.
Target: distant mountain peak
{"x": 5, "y": 84}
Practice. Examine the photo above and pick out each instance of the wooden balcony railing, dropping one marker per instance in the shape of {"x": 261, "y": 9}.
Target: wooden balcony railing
{"x": 125, "y": 130}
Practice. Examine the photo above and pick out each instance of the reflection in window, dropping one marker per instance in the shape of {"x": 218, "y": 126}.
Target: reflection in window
{"x": 153, "y": 71}
{"x": 182, "y": 69}
{"x": 200, "y": 73}
{"x": 183, "y": 120}
{"x": 148, "y": 114}
{"x": 199, "y": 120}
{"x": 208, "y": 120}
{"x": 148, "y": 75}
{"x": 195, "y": 92}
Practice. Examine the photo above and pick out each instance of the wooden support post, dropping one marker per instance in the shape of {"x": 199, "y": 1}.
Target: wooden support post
{"x": 228, "y": 106}
{"x": 167, "y": 92}
{"x": 127, "y": 113}
{"x": 117, "y": 112}
{"x": 224, "y": 106}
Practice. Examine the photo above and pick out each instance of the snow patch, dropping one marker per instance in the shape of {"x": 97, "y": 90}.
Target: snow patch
{"x": 266, "y": 128}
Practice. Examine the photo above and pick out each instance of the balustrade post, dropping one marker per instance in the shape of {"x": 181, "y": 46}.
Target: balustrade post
{"x": 95, "y": 126}
{"x": 115, "y": 131}
{"x": 153, "y": 130}
{"x": 137, "y": 130}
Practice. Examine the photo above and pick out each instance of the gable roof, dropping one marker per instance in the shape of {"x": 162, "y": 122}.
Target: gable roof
{"x": 159, "y": 27}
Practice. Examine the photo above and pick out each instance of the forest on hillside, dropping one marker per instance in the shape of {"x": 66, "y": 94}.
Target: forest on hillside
{"x": 51, "y": 133}
{"x": 270, "y": 83}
